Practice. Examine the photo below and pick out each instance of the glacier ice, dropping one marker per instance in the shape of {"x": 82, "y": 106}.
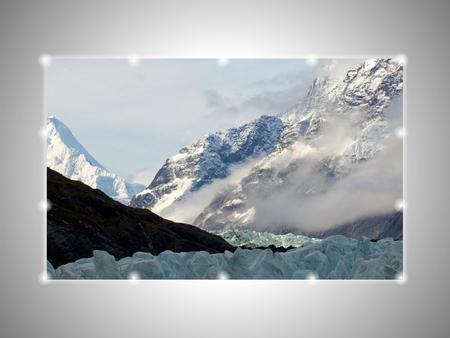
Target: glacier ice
{"x": 252, "y": 239}
{"x": 336, "y": 257}
{"x": 105, "y": 265}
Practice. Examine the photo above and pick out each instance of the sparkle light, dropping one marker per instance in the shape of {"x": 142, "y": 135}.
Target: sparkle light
{"x": 134, "y": 60}
{"x": 401, "y": 59}
{"x": 223, "y": 275}
{"x": 223, "y": 62}
{"x": 312, "y": 61}
{"x": 401, "y": 278}
{"x": 400, "y": 132}
{"x": 133, "y": 276}
{"x": 400, "y": 205}
{"x": 44, "y": 278}
{"x": 45, "y": 205}
{"x": 311, "y": 277}
{"x": 43, "y": 132}
{"x": 45, "y": 60}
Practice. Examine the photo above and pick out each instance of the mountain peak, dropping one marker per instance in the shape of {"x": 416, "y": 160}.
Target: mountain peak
{"x": 66, "y": 155}
{"x": 56, "y": 129}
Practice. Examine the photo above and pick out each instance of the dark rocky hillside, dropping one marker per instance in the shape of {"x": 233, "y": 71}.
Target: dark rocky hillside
{"x": 82, "y": 219}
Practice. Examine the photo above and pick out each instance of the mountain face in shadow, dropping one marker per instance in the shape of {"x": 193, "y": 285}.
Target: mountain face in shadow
{"x": 82, "y": 219}
{"x": 374, "y": 228}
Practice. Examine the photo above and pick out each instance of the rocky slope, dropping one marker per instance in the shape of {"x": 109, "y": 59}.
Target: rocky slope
{"x": 67, "y": 156}
{"x": 82, "y": 219}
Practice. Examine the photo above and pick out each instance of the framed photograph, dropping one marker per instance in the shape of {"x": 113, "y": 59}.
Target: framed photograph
{"x": 224, "y": 169}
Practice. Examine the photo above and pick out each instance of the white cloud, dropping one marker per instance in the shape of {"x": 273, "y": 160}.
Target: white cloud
{"x": 371, "y": 188}
{"x": 187, "y": 209}
{"x": 144, "y": 176}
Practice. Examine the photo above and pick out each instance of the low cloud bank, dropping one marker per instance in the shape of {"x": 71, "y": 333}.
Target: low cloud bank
{"x": 370, "y": 189}
{"x": 187, "y": 209}
{"x": 312, "y": 200}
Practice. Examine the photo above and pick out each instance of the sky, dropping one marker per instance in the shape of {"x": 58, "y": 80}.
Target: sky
{"x": 132, "y": 116}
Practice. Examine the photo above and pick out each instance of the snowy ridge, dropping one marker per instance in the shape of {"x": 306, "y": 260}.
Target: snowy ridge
{"x": 208, "y": 159}
{"x": 335, "y": 257}
{"x": 68, "y": 157}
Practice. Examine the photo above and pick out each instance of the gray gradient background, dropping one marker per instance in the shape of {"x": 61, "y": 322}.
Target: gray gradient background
{"x": 419, "y": 308}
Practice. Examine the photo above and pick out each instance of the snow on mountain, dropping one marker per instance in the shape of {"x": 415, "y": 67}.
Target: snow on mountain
{"x": 304, "y": 151}
{"x": 209, "y": 159}
{"x": 342, "y": 126}
{"x": 336, "y": 257}
{"x": 68, "y": 157}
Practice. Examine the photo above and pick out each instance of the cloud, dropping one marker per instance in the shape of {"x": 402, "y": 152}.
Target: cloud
{"x": 285, "y": 80}
{"x": 370, "y": 189}
{"x": 236, "y": 109}
{"x": 213, "y": 99}
{"x": 219, "y": 104}
{"x": 187, "y": 209}
{"x": 270, "y": 96}
{"x": 144, "y": 176}
{"x": 275, "y": 101}
{"x": 312, "y": 200}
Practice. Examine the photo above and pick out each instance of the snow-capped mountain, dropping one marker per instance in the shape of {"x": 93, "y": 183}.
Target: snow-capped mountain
{"x": 209, "y": 159}
{"x": 68, "y": 157}
{"x": 305, "y": 151}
